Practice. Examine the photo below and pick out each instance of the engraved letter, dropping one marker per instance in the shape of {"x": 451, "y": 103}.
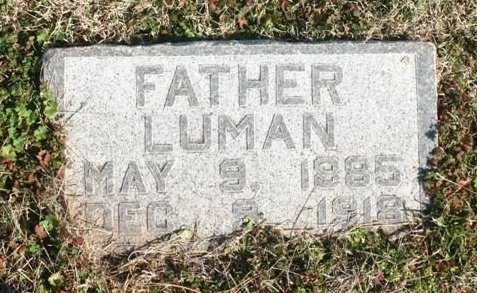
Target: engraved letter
{"x": 141, "y": 85}
{"x": 150, "y": 146}
{"x": 325, "y": 134}
{"x": 326, "y": 172}
{"x": 129, "y": 218}
{"x": 283, "y": 83}
{"x": 387, "y": 173}
{"x": 321, "y": 212}
{"x": 234, "y": 173}
{"x": 278, "y": 130}
{"x": 357, "y": 171}
{"x": 158, "y": 217}
{"x": 226, "y": 124}
{"x": 160, "y": 173}
{"x": 243, "y": 208}
{"x": 317, "y": 82}
{"x": 367, "y": 210}
{"x": 390, "y": 209}
{"x": 260, "y": 83}
{"x": 132, "y": 179}
{"x": 305, "y": 178}
{"x": 213, "y": 71}
{"x": 181, "y": 86}
{"x": 103, "y": 175}
{"x": 186, "y": 144}
{"x": 99, "y": 215}
{"x": 345, "y": 210}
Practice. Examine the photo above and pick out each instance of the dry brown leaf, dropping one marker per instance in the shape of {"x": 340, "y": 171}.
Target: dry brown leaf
{"x": 242, "y": 22}
{"x": 40, "y": 232}
{"x": 2, "y": 263}
{"x": 463, "y": 183}
{"x": 9, "y": 164}
{"x": 456, "y": 203}
{"x": 61, "y": 172}
{"x": 224, "y": 18}
{"x": 182, "y": 4}
{"x": 346, "y": 27}
{"x": 76, "y": 240}
{"x": 44, "y": 157}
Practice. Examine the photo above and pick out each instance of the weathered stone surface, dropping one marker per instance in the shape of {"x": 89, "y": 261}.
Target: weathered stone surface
{"x": 201, "y": 135}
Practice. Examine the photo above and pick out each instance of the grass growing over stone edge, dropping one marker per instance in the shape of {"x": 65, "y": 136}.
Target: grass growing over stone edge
{"x": 41, "y": 252}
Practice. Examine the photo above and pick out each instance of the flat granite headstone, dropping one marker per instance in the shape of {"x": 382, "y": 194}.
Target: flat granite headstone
{"x": 205, "y": 135}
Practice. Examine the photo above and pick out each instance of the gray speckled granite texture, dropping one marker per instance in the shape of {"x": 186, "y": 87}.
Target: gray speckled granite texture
{"x": 201, "y": 135}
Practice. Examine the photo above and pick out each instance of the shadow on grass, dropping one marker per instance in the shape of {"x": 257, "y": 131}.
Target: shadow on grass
{"x": 5, "y": 288}
{"x": 148, "y": 40}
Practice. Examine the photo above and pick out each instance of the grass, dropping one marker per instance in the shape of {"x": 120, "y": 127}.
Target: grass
{"x": 41, "y": 252}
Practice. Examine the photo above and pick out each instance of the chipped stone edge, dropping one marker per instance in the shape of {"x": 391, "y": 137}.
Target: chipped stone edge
{"x": 424, "y": 52}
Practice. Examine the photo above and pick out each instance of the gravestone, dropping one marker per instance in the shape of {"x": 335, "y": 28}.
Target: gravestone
{"x": 204, "y": 136}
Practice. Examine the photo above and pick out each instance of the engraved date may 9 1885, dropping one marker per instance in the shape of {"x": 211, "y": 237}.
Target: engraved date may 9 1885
{"x": 326, "y": 173}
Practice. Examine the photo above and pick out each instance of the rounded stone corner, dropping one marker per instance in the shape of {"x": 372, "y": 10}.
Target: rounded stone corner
{"x": 429, "y": 48}
{"x": 50, "y": 56}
